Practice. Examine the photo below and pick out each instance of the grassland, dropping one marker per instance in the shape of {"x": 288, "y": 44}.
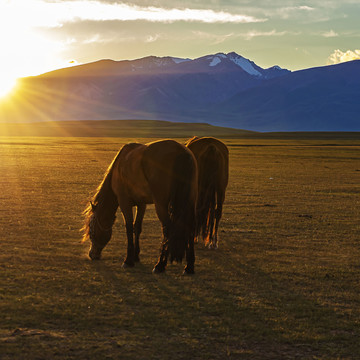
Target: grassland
{"x": 284, "y": 283}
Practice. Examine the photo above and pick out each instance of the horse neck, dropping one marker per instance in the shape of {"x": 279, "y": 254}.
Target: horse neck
{"x": 108, "y": 206}
{"x": 107, "y": 203}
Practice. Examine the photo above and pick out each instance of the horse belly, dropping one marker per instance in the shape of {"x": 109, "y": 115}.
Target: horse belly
{"x": 140, "y": 193}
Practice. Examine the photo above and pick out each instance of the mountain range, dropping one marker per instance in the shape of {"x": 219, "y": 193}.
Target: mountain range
{"x": 221, "y": 89}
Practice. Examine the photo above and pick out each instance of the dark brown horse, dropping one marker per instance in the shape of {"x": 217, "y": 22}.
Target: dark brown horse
{"x": 163, "y": 173}
{"x": 212, "y": 158}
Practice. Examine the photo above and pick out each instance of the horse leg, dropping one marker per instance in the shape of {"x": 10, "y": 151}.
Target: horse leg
{"x": 218, "y": 215}
{"x": 165, "y": 222}
{"x": 211, "y": 220}
{"x": 190, "y": 257}
{"x": 140, "y": 212}
{"x": 128, "y": 217}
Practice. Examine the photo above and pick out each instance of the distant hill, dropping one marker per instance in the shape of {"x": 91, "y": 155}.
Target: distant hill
{"x": 226, "y": 90}
{"x": 119, "y": 128}
{"x": 317, "y": 99}
{"x": 154, "y": 129}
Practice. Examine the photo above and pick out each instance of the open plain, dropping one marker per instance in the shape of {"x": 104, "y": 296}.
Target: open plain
{"x": 284, "y": 283}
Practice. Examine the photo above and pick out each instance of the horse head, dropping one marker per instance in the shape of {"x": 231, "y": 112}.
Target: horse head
{"x": 99, "y": 233}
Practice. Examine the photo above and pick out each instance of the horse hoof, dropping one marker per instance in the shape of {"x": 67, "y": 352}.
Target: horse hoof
{"x": 158, "y": 271}
{"x": 212, "y": 246}
{"x": 188, "y": 272}
{"x": 94, "y": 255}
{"x": 94, "y": 258}
{"x": 127, "y": 265}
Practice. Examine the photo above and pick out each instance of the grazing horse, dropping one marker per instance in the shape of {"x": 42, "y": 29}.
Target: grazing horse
{"x": 212, "y": 158}
{"x": 163, "y": 173}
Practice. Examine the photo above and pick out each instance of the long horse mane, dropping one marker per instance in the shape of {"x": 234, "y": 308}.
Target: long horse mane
{"x": 191, "y": 140}
{"x": 98, "y": 198}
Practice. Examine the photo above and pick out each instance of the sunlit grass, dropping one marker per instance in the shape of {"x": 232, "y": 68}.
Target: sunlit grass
{"x": 283, "y": 283}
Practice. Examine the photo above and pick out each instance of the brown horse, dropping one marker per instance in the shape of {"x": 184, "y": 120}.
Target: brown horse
{"x": 212, "y": 158}
{"x": 163, "y": 173}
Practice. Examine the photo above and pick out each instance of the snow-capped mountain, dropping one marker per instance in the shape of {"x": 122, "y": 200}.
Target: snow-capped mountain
{"x": 221, "y": 89}
{"x": 154, "y": 62}
{"x": 230, "y": 62}
{"x": 246, "y": 65}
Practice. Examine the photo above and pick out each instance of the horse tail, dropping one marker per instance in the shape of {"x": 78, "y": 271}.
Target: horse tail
{"x": 208, "y": 181}
{"x": 182, "y": 205}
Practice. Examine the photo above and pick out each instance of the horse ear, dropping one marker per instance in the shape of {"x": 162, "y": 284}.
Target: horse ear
{"x": 93, "y": 206}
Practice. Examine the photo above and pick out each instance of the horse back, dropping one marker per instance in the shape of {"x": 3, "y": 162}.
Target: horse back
{"x": 211, "y": 155}
{"x": 159, "y": 163}
{"x": 199, "y": 145}
{"x": 128, "y": 180}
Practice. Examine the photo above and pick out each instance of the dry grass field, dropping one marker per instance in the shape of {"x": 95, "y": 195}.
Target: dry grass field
{"x": 284, "y": 283}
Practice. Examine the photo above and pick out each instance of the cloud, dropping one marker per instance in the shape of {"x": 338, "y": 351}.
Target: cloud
{"x": 339, "y": 56}
{"x": 302, "y": 14}
{"x": 217, "y": 39}
{"x": 252, "y": 34}
{"x": 329, "y": 34}
{"x": 153, "y": 38}
{"x": 55, "y": 14}
{"x": 291, "y": 11}
{"x": 213, "y": 38}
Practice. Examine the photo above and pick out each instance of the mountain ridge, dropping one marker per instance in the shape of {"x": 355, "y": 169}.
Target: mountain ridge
{"x": 316, "y": 99}
{"x": 163, "y": 64}
{"x": 220, "y": 89}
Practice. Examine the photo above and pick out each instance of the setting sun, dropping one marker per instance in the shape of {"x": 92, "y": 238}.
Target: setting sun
{"x": 27, "y": 47}
{"x": 7, "y": 84}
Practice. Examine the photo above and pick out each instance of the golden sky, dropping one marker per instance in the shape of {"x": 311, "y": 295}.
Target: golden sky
{"x": 37, "y": 36}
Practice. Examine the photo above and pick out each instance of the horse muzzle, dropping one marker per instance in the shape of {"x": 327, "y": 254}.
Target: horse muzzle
{"x": 94, "y": 254}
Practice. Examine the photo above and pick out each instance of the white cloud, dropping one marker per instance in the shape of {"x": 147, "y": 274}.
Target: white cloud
{"x": 98, "y": 39}
{"x": 217, "y": 39}
{"x": 291, "y": 11}
{"x": 329, "y": 34}
{"x": 339, "y": 56}
{"x": 306, "y": 8}
{"x": 53, "y": 14}
{"x": 251, "y": 34}
{"x": 152, "y": 38}
{"x": 213, "y": 38}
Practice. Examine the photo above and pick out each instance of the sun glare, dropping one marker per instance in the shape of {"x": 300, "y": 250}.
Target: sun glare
{"x": 26, "y": 48}
{"x": 7, "y": 84}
